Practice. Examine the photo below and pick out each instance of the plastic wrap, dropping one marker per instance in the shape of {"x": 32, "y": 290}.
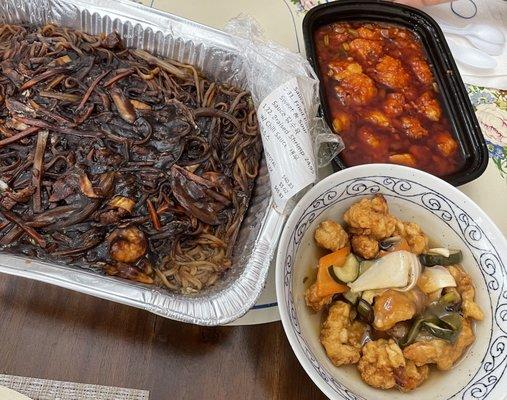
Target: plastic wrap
{"x": 224, "y": 57}
{"x": 286, "y": 92}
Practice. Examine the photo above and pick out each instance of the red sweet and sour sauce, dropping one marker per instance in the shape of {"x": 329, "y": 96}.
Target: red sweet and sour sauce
{"x": 383, "y": 98}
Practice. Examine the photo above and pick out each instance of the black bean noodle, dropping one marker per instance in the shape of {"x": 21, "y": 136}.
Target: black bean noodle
{"x": 117, "y": 160}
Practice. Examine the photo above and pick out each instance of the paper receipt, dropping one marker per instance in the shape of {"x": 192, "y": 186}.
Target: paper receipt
{"x": 287, "y": 144}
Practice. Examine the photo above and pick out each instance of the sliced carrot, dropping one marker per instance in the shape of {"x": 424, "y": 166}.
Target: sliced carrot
{"x": 336, "y": 258}
{"x": 326, "y": 285}
{"x": 401, "y": 245}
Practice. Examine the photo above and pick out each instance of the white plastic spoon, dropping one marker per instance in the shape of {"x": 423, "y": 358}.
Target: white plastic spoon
{"x": 473, "y": 57}
{"x": 492, "y": 49}
{"x": 483, "y": 32}
{"x": 484, "y": 37}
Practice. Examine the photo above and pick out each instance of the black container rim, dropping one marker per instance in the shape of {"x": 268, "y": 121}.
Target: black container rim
{"x": 455, "y": 98}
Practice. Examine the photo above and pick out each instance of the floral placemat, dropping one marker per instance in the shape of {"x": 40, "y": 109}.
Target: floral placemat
{"x": 491, "y": 111}
{"x": 43, "y": 389}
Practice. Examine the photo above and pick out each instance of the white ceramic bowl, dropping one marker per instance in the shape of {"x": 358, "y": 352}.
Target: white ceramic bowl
{"x": 450, "y": 219}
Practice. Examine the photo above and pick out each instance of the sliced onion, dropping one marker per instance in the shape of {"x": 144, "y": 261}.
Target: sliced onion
{"x": 122, "y": 202}
{"x": 414, "y": 273}
{"x": 441, "y": 251}
{"x": 435, "y": 278}
{"x": 369, "y": 295}
{"x": 398, "y": 270}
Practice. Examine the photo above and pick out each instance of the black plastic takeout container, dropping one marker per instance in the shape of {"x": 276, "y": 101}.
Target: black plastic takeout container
{"x": 454, "y": 97}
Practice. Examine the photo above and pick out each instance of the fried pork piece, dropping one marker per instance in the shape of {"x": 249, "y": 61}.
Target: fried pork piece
{"x": 440, "y": 352}
{"x": 413, "y": 128}
{"x": 394, "y": 104}
{"x": 356, "y": 332}
{"x": 340, "y": 336}
{"x": 411, "y": 376}
{"x": 370, "y": 217}
{"x": 314, "y": 301}
{"x": 421, "y": 70}
{"x": 364, "y": 246}
{"x": 413, "y": 234}
{"x": 466, "y": 289}
{"x": 379, "y": 363}
{"x": 368, "y": 50}
{"x": 428, "y": 106}
{"x": 392, "y": 307}
{"x": 331, "y": 236}
{"x": 391, "y": 73}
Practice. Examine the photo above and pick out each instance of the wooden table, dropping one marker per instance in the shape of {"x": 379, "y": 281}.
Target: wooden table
{"x": 53, "y": 333}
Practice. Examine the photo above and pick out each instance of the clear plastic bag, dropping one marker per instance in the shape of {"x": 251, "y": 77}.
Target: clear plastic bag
{"x": 285, "y": 89}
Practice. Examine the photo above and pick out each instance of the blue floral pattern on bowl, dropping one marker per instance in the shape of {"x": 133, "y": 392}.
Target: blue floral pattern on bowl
{"x": 493, "y": 270}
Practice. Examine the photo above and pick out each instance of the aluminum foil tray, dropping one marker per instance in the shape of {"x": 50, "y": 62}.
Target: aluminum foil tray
{"x": 218, "y": 55}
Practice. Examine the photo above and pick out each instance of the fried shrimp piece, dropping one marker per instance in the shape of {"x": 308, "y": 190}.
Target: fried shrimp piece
{"x": 377, "y": 117}
{"x": 373, "y": 143}
{"x": 428, "y": 106}
{"x": 340, "y": 69}
{"x": 390, "y": 72}
{"x": 364, "y": 246}
{"x": 314, "y": 301}
{"x": 127, "y": 244}
{"x": 392, "y": 307}
{"x": 411, "y": 376}
{"x": 440, "y": 352}
{"x": 403, "y": 159}
{"x": 370, "y": 217}
{"x": 445, "y": 143}
{"x": 404, "y": 39}
{"x": 379, "y": 363}
{"x": 331, "y": 236}
{"x": 413, "y": 128}
{"x": 413, "y": 234}
{"x": 394, "y": 104}
{"x": 367, "y": 33}
{"x": 127, "y": 271}
{"x": 339, "y": 335}
{"x": 466, "y": 289}
{"x": 368, "y": 50}
{"x": 342, "y": 121}
{"x": 356, "y": 89}
{"x": 421, "y": 70}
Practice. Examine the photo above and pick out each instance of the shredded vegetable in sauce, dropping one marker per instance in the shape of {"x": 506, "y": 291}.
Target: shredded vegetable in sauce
{"x": 383, "y": 98}
{"x": 391, "y": 305}
{"x": 120, "y": 161}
